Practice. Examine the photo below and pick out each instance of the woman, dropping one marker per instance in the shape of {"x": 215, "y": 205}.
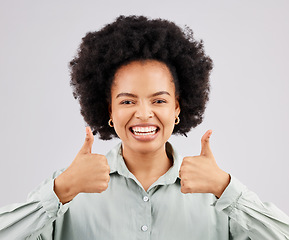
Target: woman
{"x": 142, "y": 80}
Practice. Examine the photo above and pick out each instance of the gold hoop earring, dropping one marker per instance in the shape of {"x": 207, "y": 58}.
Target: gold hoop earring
{"x": 177, "y": 120}
{"x": 110, "y": 123}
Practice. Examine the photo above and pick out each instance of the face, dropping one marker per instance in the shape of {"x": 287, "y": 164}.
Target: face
{"x": 143, "y": 105}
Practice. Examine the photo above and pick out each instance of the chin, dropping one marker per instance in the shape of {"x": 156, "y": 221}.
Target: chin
{"x": 145, "y": 147}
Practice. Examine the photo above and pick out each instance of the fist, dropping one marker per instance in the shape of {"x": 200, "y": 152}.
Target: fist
{"x": 201, "y": 174}
{"x": 88, "y": 173}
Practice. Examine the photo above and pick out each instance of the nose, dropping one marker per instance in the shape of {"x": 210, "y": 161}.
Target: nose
{"x": 144, "y": 111}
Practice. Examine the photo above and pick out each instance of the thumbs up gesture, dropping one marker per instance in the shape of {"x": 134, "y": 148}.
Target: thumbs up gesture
{"x": 201, "y": 174}
{"x": 88, "y": 173}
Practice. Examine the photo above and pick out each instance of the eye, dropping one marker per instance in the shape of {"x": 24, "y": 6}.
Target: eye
{"x": 160, "y": 101}
{"x": 126, "y": 102}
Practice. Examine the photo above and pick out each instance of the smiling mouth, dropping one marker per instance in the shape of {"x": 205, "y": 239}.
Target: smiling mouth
{"x": 142, "y": 131}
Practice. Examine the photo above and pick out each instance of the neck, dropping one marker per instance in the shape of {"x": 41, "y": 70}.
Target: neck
{"x": 147, "y": 164}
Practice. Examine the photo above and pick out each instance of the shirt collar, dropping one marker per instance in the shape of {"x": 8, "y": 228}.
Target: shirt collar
{"x": 117, "y": 164}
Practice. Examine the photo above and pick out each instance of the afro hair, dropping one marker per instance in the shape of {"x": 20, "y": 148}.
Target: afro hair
{"x": 134, "y": 38}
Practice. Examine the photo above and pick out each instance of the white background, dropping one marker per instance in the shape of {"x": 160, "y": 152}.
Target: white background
{"x": 40, "y": 123}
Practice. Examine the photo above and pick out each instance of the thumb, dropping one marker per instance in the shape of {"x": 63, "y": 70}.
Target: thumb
{"x": 206, "y": 149}
{"x": 86, "y": 148}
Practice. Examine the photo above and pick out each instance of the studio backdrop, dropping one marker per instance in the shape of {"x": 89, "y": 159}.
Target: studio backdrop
{"x": 40, "y": 122}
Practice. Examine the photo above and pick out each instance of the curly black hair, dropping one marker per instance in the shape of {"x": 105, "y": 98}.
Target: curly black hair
{"x": 132, "y": 38}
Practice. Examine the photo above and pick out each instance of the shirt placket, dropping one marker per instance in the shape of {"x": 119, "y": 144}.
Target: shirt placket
{"x": 145, "y": 218}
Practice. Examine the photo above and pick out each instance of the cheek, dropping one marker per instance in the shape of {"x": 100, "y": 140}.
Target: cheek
{"x": 120, "y": 119}
{"x": 117, "y": 117}
{"x": 168, "y": 117}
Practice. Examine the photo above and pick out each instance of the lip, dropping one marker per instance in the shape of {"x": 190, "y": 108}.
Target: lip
{"x": 144, "y": 125}
{"x": 145, "y": 138}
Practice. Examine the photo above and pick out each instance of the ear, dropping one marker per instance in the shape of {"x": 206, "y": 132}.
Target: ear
{"x": 177, "y": 108}
{"x": 109, "y": 110}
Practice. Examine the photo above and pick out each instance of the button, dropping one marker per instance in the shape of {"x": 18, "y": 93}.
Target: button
{"x": 145, "y": 198}
{"x": 144, "y": 228}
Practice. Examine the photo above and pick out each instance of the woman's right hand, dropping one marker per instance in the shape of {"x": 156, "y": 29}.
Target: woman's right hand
{"x": 88, "y": 173}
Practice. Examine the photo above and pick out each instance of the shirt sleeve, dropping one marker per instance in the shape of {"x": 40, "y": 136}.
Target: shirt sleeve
{"x": 33, "y": 219}
{"x": 249, "y": 217}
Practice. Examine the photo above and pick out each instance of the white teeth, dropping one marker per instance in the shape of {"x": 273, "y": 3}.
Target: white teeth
{"x": 144, "y": 130}
{"x": 146, "y": 133}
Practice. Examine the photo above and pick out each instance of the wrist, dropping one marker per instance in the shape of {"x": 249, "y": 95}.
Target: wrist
{"x": 222, "y": 184}
{"x": 63, "y": 188}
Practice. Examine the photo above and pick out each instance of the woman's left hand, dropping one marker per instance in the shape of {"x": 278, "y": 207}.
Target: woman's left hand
{"x": 201, "y": 174}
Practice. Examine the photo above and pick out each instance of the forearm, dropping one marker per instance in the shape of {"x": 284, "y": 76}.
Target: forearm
{"x": 259, "y": 220}
{"x": 19, "y": 221}
{"x": 23, "y": 220}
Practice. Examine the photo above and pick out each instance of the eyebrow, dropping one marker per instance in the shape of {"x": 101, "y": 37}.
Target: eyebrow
{"x": 124, "y": 94}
